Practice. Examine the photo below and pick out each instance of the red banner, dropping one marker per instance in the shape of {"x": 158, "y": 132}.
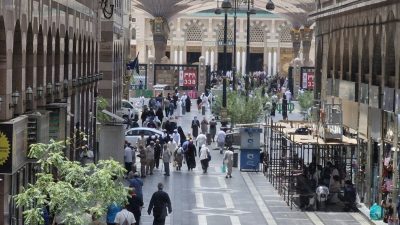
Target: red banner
{"x": 310, "y": 81}
{"x": 189, "y": 78}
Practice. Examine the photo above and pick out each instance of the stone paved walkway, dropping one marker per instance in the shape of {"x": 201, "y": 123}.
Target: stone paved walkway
{"x": 245, "y": 199}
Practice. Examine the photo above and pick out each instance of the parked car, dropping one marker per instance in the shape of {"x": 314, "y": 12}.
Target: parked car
{"x": 128, "y": 109}
{"x": 132, "y": 135}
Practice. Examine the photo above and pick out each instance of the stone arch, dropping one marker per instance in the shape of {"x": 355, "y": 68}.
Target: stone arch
{"x": 346, "y": 58}
{"x": 330, "y": 58}
{"x": 390, "y": 56}
{"x": 57, "y": 57}
{"x": 29, "y": 75}
{"x": 365, "y": 73}
{"x": 40, "y": 59}
{"x": 354, "y": 58}
{"x": 96, "y": 55}
{"x": 49, "y": 58}
{"x": 66, "y": 55}
{"x": 377, "y": 55}
{"x": 79, "y": 59}
{"x": 84, "y": 56}
{"x": 74, "y": 57}
{"x": 17, "y": 76}
{"x": 338, "y": 57}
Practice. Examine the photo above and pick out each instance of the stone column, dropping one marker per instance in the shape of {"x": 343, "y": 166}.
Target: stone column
{"x": 275, "y": 63}
{"x": 160, "y": 31}
{"x": 296, "y": 40}
{"x": 306, "y": 38}
{"x": 150, "y": 72}
{"x": 244, "y": 61}
{"x": 212, "y": 60}
{"x": 238, "y": 55}
{"x": 269, "y": 62}
{"x": 202, "y": 76}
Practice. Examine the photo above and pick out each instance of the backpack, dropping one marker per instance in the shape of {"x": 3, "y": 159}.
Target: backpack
{"x": 125, "y": 221}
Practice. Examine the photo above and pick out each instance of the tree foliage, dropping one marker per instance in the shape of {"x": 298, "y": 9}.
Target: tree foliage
{"x": 241, "y": 108}
{"x": 306, "y": 100}
{"x": 69, "y": 189}
{"x": 101, "y": 105}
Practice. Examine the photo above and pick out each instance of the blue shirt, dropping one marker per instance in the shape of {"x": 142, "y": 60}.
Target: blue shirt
{"x": 137, "y": 184}
{"x": 112, "y": 211}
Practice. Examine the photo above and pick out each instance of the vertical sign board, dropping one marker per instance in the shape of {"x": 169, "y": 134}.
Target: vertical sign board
{"x": 181, "y": 78}
{"x": 307, "y": 78}
{"x": 6, "y": 148}
{"x": 250, "y": 148}
{"x": 54, "y": 125}
{"x": 189, "y": 78}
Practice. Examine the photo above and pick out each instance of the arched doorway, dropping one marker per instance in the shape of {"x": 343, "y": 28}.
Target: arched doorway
{"x": 17, "y": 69}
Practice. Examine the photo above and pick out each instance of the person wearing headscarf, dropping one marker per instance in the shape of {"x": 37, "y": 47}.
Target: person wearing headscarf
{"x": 188, "y": 104}
{"x": 204, "y": 126}
{"x": 176, "y": 137}
{"x": 195, "y": 127}
{"x": 191, "y": 155}
{"x": 213, "y": 128}
{"x": 204, "y": 159}
{"x": 182, "y": 135}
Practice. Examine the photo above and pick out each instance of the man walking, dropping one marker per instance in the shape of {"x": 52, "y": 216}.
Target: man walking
{"x": 159, "y": 203}
{"x": 201, "y": 140}
{"x": 125, "y": 217}
{"x": 221, "y": 140}
{"x": 143, "y": 161}
{"x": 150, "y": 158}
{"x": 166, "y": 156}
{"x": 157, "y": 153}
{"x": 128, "y": 158}
{"x": 228, "y": 161}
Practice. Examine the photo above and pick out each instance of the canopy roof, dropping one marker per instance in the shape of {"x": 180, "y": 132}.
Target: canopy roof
{"x": 296, "y": 11}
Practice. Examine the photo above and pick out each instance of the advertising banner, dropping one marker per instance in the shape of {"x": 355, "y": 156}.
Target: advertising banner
{"x": 249, "y": 159}
{"x": 189, "y": 78}
{"x": 307, "y": 78}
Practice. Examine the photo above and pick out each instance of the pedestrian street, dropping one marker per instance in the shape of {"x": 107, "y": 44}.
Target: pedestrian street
{"x": 244, "y": 199}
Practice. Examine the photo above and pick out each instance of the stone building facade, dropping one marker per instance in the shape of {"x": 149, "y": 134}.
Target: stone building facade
{"x": 358, "y": 63}
{"x": 49, "y": 77}
{"x": 201, "y": 34}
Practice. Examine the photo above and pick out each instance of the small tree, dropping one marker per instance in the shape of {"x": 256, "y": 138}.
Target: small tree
{"x": 68, "y": 188}
{"x": 306, "y": 100}
{"x": 242, "y": 108}
{"x": 101, "y": 105}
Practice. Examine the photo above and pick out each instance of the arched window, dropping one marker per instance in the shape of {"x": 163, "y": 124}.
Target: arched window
{"x": 257, "y": 34}
{"x": 194, "y": 33}
{"x": 221, "y": 35}
{"x": 284, "y": 35}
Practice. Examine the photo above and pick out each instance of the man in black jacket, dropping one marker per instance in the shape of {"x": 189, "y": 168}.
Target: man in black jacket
{"x": 159, "y": 203}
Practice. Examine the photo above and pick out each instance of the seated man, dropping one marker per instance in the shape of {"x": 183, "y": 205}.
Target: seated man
{"x": 349, "y": 197}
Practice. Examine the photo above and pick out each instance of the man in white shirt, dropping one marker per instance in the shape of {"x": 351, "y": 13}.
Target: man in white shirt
{"x": 221, "y": 140}
{"x": 176, "y": 137}
{"x": 201, "y": 140}
{"x": 228, "y": 161}
{"x": 128, "y": 156}
{"x": 125, "y": 217}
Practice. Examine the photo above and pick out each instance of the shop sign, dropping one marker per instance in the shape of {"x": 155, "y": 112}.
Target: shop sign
{"x": 6, "y": 146}
{"x": 189, "y": 78}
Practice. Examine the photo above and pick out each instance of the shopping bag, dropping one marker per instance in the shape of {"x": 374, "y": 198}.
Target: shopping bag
{"x": 375, "y": 212}
{"x": 223, "y": 168}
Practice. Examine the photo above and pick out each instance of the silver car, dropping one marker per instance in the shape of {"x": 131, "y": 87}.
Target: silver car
{"x": 133, "y": 134}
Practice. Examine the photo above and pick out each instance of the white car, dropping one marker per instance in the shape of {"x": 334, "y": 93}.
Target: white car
{"x": 128, "y": 109}
{"x": 133, "y": 134}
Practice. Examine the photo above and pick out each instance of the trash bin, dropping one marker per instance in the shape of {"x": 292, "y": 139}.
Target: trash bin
{"x": 235, "y": 159}
{"x": 203, "y": 110}
{"x": 209, "y": 139}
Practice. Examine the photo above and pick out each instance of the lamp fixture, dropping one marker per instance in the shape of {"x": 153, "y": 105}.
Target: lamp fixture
{"x": 65, "y": 84}
{"x": 270, "y": 5}
{"x": 49, "y": 88}
{"x": 29, "y": 94}
{"x": 252, "y": 11}
{"x": 39, "y": 91}
{"x": 218, "y": 10}
{"x": 1, "y": 102}
{"x": 226, "y": 5}
{"x": 14, "y": 98}
{"x": 57, "y": 87}
{"x": 108, "y": 8}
